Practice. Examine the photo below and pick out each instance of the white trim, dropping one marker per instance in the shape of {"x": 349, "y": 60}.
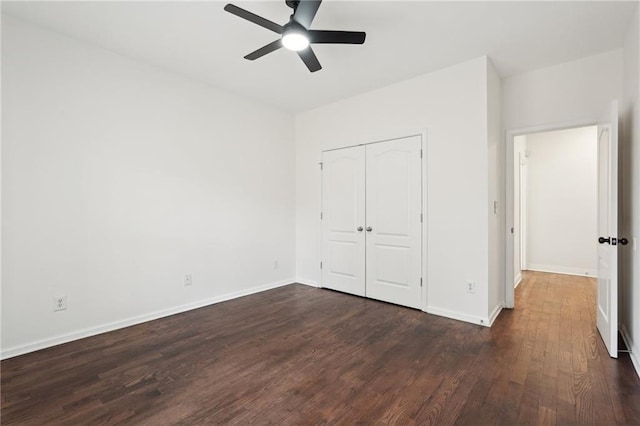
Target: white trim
{"x": 632, "y": 353}
{"x": 138, "y": 319}
{"x": 517, "y": 280}
{"x": 425, "y": 218}
{"x": 484, "y": 321}
{"x": 382, "y": 138}
{"x": 522, "y": 192}
{"x": 310, "y": 283}
{"x": 495, "y": 313}
{"x": 509, "y": 301}
{"x": 566, "y": 270}
{"x": 320, "y": 223}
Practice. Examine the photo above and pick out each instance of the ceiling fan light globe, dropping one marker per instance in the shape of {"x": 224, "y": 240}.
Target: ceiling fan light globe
{"x": 295, "y": 41}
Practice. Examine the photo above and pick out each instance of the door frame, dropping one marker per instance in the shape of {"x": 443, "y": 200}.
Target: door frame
{"x": 523, "y": 213}
{"x": 521, "y": 202}
{"x": 509, "y": 219}
{"x": 424, "y": 192}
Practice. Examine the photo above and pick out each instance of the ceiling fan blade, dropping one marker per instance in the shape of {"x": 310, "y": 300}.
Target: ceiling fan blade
{"x": 310, "y": 60}
{"x": 306, "y": 11}
{"x": 338, "y": 37}
{"x": 264, "y": 50}
{"x": 252, "y": 17}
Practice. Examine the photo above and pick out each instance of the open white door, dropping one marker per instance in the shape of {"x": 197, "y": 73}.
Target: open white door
{"x": 343, "y": 220}
{"x": 607, "y": 309}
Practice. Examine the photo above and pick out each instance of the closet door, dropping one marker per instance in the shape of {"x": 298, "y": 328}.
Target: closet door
{"x": 343, "y": 214}
{"x": 394, "y": 228}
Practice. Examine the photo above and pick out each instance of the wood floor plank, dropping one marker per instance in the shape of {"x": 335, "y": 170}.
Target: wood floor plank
{"x": 298, "y": 355}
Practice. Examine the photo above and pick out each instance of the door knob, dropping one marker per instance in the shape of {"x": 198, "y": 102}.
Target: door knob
{"x": 603, "y": 240}
{"x": 369, "y": 229}
{"x": 623, "y": 241}
{"x": 360, "y": 228}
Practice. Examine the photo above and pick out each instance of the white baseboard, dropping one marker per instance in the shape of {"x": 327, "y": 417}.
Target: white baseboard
{"x": 138, "y": 319}
{"x": 458, "y": 316}
{"x": 494, "y": 314}
{"x": 517, "y": 280}
{"x": 310, "y": 283}
{"x": 635, "y": 356}
{"x": 554, "y": 269}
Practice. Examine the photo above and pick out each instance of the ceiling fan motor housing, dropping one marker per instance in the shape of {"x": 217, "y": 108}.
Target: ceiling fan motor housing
{"x": 293, "y": 4}
{"x": 292, "y": 27}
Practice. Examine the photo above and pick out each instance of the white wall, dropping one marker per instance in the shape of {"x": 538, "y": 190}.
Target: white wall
{"x": 562, "y": 200}
{"x": 519, "y": 148}
{"x": 118, "y": 178}
{"x": 630, "y": 188}
{"x": 452, "y": 105}
{"x": 580, "y": 90}
{"x": 496, "y": 192}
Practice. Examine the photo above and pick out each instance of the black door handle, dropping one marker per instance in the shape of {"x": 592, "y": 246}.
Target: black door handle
{"x": 603, "y": 240}
{"x": 623, "y": 241}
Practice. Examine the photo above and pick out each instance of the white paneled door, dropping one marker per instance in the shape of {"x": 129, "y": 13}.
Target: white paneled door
{"x": 607, "y": 309}
{"x": 372, "y": 221}
{"x": 343, "y": 217}
{"x": 394, "y": 228}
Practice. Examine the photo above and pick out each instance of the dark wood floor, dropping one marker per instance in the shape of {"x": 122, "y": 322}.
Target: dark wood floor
{"x": 298, "y": 355}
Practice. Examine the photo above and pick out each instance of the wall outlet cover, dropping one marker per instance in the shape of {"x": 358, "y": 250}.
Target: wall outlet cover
{"x": 59, "y": 303}
{"x": 471, "y": 287}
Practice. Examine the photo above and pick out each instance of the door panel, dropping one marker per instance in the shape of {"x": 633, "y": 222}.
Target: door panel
{"x": 607, "y": 307}
{"x": 394, "y": 228}
{"x": 343, "y": 210}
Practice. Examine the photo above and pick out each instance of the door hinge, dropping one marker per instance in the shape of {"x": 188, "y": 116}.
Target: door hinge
{"x": 421, "y": 218}
{"x": 320, "y": 215}
{"x": 421, "y": 153}
{"x": 420, "y": 281}
{"x": 320, "y": 265}
{"x": 512, "y": 230}
{"x": 321, "y": 166}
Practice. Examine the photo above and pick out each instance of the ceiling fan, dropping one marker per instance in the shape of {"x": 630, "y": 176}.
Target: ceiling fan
{"x": 295, "y": 35}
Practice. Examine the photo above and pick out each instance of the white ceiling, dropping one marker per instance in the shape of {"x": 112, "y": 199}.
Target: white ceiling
{"x": 404, "y": 39}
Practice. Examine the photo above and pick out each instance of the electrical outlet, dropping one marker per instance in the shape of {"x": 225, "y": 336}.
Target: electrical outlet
{"x": 187, "y": 279}
{"x": 275, "y": 264}
{"x": 59, "y": 303}
{"x": 471, "y": 287}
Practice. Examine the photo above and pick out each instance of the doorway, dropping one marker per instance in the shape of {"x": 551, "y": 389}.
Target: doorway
{"x": 608, "y": 241}
{"x": 555, "y": 202}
